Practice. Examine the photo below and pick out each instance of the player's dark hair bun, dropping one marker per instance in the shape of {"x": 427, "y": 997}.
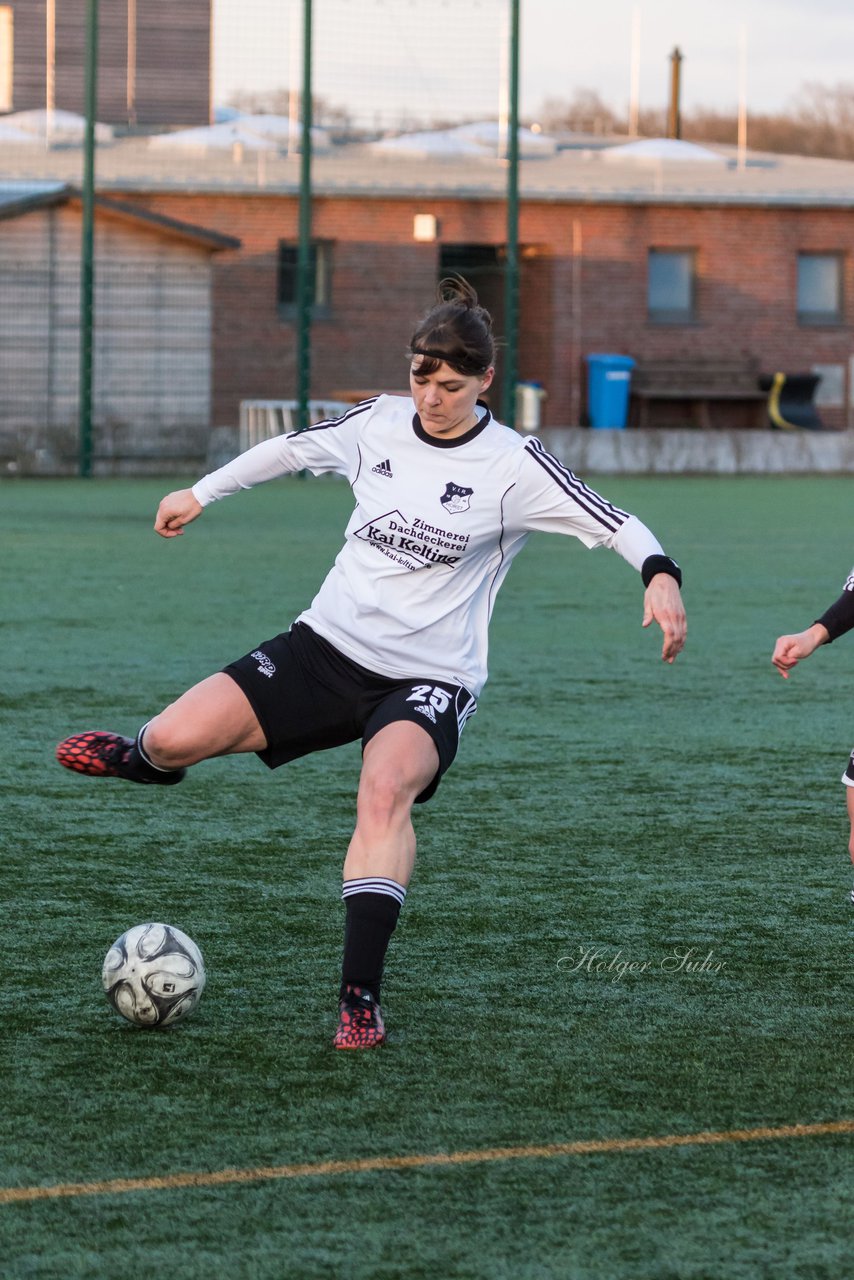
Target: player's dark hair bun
{"x": 457, "y": 331}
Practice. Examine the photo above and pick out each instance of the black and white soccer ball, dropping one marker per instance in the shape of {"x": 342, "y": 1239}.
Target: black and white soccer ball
{"x": 154, "y": 975}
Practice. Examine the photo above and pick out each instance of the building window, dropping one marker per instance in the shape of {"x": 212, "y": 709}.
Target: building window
{"x": 470, "y": 259}
{"x": 819, "y": 288}
{"x": 671, "y": 285}
{"x": 483, "y": 266}
{"x": 7, "y": 57}
{"x": 320, "y": 271}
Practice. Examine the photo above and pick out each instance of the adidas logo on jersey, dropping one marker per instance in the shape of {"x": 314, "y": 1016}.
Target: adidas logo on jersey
{"x": 383, "y": 469}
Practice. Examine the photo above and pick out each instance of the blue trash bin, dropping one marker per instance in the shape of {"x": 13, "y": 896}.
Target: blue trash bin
{"x": 608, "y": 383}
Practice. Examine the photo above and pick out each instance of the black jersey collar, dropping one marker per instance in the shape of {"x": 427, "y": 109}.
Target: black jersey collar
{"x": 456, "y": 441}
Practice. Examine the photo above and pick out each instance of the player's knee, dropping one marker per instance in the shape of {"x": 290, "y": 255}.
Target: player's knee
{"x": 168, "y": 745}
{"x": 386, "y": 794}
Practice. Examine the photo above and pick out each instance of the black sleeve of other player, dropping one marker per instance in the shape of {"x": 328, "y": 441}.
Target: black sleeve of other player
{"x": 839, "y": 618}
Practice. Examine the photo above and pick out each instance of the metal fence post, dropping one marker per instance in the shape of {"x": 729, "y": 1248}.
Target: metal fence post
{"x": 304, "y": 273}
{"x": 87, "y": 249}
{"x": 511, "y": 267}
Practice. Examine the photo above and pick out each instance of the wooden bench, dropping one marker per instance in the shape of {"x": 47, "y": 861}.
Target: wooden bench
{"x": 699, "y": 383}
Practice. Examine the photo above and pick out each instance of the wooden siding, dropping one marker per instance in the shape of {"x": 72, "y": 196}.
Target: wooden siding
{"x": 152, "y": 342}
{"x": 171, "y": 84}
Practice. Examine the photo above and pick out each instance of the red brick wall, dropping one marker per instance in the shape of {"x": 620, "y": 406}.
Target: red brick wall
{"x": 583, "y": 289}
{"x": 746, "y": 299}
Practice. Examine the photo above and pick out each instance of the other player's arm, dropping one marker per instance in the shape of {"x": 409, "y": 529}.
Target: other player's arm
{"x": 833, "y": 623}
{"x": 790, "y": 650}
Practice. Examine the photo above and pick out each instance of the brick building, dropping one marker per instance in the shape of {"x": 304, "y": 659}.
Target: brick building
{"x": 748, "y": 261}
{"x": 153, "y": 65}
{"x": 749, "y": 266}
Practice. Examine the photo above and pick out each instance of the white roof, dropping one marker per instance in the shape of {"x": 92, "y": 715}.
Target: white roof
{"x": 573, "y": 174}
{"x": 443, "y": 143}
{"x": 253, "y": 133}
{"x": 663, "y": 149}
{"x": 479, "y": 139}
{"x": 59, "y": 126}
{"x": 9, "y": 133}
{"x": 12, "y": 192}
{"x": 489, "y": 133}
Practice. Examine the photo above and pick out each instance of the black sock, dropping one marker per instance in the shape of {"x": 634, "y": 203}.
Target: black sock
{"x": 140, "y": 768}
{"x": 371, "y": 919}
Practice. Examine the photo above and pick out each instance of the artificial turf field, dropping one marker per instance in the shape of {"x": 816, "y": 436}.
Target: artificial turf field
{"x": 602, "y": 804}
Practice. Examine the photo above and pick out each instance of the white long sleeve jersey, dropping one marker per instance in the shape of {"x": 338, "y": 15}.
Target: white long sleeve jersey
{"x": 436, "y": 526}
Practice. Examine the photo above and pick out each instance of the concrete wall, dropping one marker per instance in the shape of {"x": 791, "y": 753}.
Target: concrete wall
{"x": 663, "y": 452}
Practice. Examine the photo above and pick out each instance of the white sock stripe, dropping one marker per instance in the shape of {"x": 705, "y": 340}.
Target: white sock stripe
{"x": 374, "y": 884}
{"x": 141, "y": 749}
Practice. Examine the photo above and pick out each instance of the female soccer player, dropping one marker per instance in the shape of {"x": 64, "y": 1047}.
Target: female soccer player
{"x": 790, "y": 650}
{"x": 393, "y": 647}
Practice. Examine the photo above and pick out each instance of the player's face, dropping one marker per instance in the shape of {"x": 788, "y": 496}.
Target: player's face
{"x": 446, "y": 400}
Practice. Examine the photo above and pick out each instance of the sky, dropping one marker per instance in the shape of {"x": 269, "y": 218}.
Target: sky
{"x": 385, "y": 55}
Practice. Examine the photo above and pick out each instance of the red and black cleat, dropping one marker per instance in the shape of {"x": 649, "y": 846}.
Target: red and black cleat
{"x": 360, "y": 1021}
{"x": 108, "y": 755}
{"x": 98, "y": 754}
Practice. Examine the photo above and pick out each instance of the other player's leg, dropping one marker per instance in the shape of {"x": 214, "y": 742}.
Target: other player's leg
{"x": 848, "y": 779}
{"x": 214, "y": 718}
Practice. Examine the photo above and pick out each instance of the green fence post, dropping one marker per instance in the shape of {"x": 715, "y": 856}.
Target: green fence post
{"x": 304, "y": 272}
{"x": 87, "y": 248}
{"x": 511, "y": 266}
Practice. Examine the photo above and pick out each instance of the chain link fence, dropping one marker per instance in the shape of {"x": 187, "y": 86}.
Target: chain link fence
{"x": 196, "y": 218}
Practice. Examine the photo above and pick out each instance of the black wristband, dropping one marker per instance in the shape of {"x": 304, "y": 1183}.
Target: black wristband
{"x": 660, "y": 564}
{"x": 839, "y": 618}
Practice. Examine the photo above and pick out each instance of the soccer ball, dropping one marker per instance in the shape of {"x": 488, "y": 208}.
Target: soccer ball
{"x": 153, "y": 975}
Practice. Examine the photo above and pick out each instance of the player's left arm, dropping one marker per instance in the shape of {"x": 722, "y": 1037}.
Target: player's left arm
{"x": 662, "y": 579}
{"x": 662, "y": 603}
{"x": 552, "y": 498}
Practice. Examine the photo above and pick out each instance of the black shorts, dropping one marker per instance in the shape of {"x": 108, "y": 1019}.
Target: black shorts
{"x": 308, "y": 697}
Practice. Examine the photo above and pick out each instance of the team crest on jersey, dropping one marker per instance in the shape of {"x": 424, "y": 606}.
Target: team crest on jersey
{"x": 456, "y": 498}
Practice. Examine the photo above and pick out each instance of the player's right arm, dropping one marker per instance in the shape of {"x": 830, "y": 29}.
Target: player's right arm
{"x": 330, "y": 446}
{"x": 327, "y": 446}
{"x": 266, "y": 461}
{"x": 176, "y": 510}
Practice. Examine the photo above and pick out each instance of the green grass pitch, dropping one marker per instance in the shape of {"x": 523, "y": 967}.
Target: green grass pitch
{"x": 601, "y": 802}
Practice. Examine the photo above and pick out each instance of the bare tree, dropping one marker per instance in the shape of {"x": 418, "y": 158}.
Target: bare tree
{"x": 818, "y": 122}
{"x": 826, "y": 116}
{"x": 326, "y": 114}
{"x": 585, "y": 112}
